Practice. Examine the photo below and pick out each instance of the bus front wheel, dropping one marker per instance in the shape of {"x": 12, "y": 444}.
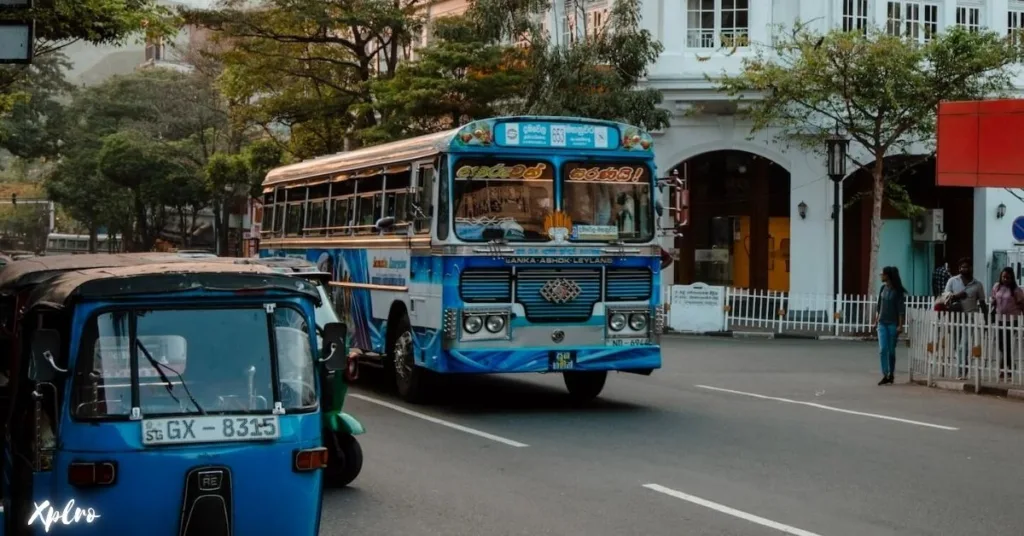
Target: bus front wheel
{"x": 585, "y": 385}
{"x": 410, "y": 379}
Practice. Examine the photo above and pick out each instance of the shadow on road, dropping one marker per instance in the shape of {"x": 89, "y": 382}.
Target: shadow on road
{"x": 484, "y": 394}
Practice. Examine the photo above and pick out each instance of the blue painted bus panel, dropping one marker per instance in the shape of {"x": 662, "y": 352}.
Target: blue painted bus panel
{"x": 434, "y": 277}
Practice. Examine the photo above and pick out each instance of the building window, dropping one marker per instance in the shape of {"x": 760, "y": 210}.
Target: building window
{"x": 1015, "y": 22}
{"x": 717, "y": 23}
{"x": 855, "y": 15}
{"x": 969, "y": 17}
{"x": 916, "y": 20}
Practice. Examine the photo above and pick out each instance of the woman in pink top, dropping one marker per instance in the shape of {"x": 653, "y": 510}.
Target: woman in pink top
{"x": 1007, "y": 299}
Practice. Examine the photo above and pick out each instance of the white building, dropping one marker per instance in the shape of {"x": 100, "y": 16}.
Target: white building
{"x": 710, "y": 36}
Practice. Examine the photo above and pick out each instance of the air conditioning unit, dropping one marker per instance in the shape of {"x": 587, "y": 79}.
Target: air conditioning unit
{"x": 928, "y": 226}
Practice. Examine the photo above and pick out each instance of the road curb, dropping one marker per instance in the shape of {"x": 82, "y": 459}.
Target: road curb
{"x": 767, "y": 335}
{"x": 968, "y": 387}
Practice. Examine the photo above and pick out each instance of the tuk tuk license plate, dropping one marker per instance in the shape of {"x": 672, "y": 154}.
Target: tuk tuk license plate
{"x": 209, "y": 429}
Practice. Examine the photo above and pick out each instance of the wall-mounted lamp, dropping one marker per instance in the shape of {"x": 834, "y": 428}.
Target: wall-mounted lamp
{"x": 802, "y": 209}
{"x": 1000, "y": 211}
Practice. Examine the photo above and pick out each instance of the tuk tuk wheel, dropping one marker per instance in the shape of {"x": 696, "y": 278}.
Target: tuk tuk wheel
{"x": 345, "y": 462}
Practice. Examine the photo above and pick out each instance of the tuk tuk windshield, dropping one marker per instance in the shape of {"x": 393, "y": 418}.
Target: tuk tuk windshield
{"x": 193, "y": 361}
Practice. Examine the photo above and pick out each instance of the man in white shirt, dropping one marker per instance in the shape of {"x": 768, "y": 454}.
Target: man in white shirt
{"x": 969, "y": 293}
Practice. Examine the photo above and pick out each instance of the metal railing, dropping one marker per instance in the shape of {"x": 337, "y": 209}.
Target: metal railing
{"x": 781, "y": 312}
{"x": 966, "y": 347}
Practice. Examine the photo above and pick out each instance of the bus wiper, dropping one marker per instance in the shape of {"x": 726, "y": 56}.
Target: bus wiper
{"x": 167, "y": 382}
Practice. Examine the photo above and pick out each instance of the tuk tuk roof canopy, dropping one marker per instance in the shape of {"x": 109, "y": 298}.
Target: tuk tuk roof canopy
{"x": 173, "y": 277}
{"x": 20, "y": 274}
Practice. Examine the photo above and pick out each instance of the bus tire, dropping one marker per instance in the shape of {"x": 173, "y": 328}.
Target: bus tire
{"x": 410, "y": 379}
{"x": 345, "y": 463}
{"x": 585, "y": 385}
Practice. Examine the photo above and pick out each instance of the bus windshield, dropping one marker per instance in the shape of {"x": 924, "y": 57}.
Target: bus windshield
{"x": 608, "y": 201}
{"x": 510, "y": 199}
{"x": 193, "y": 361}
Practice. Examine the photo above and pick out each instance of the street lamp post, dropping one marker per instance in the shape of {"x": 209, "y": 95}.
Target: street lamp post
{"x": 835, "y": 150}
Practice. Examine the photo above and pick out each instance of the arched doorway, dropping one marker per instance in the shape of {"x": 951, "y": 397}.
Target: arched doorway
{"x": 739, "y": 227}
{"x": 900, "y": 246}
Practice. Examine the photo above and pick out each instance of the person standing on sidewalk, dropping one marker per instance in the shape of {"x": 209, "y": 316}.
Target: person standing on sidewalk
{"x": 940, "y": 277}
{"x": 1008, "y": 300}
{"x": 890, "y": 314}
{"x": 967, "y": 296}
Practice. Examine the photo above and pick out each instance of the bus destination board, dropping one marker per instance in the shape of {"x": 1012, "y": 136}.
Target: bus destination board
{"x": 556, "y": 135}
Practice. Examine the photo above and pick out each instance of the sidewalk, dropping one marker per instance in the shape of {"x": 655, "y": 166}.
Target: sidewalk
{"x": 755, "y": 333}
{"x": 1011, "y": 391}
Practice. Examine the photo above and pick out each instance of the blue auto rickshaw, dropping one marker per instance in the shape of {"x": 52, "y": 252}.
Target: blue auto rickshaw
{"x": 169, "y": 399}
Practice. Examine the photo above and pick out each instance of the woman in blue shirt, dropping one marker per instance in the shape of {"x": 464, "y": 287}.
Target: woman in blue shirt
{"x": 890, "y": 312}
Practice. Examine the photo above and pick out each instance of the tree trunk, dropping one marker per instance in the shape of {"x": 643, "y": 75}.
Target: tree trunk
{"x": 877, "y": 192}
{"x": 93, "y": 238}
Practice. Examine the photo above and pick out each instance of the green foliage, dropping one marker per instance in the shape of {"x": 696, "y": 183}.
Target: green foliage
{"x": 59, "y": 23}
{"x": 34, "y": 125}
{"x": 882, "y": 91}
{"x": 599, "y": 76}
{"x": 309, "y": 64}
{"x": 462, "y": 77}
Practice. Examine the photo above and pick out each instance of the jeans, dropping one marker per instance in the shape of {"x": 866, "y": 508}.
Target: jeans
{"x": 887, "y": 347}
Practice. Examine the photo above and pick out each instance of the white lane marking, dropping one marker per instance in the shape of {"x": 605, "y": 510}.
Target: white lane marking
{"x": 830, "y": 408}
{"x": 730, "y": 511}
{"x": 442, "y": 422}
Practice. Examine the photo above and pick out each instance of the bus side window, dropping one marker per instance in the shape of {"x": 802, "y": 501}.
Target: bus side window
{"x": 397, "y": 188}
{"x": 425, "y": 193}
{"x": 442, "y": 199}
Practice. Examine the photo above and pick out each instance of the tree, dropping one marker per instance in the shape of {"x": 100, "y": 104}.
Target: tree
{"x": 309, "y": 64}
{"x": 59, "y": 23}
{"x": 462, "y": 76}
{"x": 882, "y": 91}
{"x": 34, "y": 125}
{"x": 599, "y": 74}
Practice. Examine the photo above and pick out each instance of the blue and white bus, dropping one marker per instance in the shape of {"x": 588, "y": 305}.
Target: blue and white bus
{"x": 513, "y": 244}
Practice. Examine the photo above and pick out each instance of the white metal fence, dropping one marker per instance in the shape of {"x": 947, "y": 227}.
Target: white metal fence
{"x": 781, "y": 312}
{"x": 967, "y": 347}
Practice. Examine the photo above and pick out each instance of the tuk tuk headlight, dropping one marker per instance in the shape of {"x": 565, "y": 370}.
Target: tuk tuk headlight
{"x": 472, "y": 324}
{"x": 495, "y": 323}
{"x": 617, "y": 322}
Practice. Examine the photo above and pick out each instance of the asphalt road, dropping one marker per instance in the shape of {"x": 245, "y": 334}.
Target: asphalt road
{"x": 731, "y": 437}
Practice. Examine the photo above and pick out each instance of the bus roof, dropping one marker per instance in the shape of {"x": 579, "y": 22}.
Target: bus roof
{"x": 530, "y": 132}
{"x": 123, "y": 281}
{"x": 19, "y": 274}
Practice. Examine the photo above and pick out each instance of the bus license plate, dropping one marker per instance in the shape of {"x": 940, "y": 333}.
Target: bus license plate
{"x": 562, "y": 360}
{"x": 630, "y": 342}
{"x": 209, "y": 429}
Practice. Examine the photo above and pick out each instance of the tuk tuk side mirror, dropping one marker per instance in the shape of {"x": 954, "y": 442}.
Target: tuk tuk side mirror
{"x": 45, "y": 351}
{"x": 332, "y": 353}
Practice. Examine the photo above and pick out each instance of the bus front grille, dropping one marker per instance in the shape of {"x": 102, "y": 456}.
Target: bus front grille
{"x": 583, "y": 284}
{"x": 486, "y": 285}
{"x": 628, "y": 284}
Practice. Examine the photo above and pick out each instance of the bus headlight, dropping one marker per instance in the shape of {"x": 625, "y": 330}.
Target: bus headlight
{"x": 472, "y": 324}
{"x": 617, "y": 322}
{"x": 638, "y": 321}
{"x": 495, "y": 323}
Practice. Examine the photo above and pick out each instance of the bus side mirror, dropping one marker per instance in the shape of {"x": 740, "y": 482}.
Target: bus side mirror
{"x": 45, "y": 351}
{"x": 680, "y": 198}
{"x": 385, "y": 223}
{"x": 332, "y": 353}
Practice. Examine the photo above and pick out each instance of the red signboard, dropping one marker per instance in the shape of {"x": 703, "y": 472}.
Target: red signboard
{"x": 978, "y": 144}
